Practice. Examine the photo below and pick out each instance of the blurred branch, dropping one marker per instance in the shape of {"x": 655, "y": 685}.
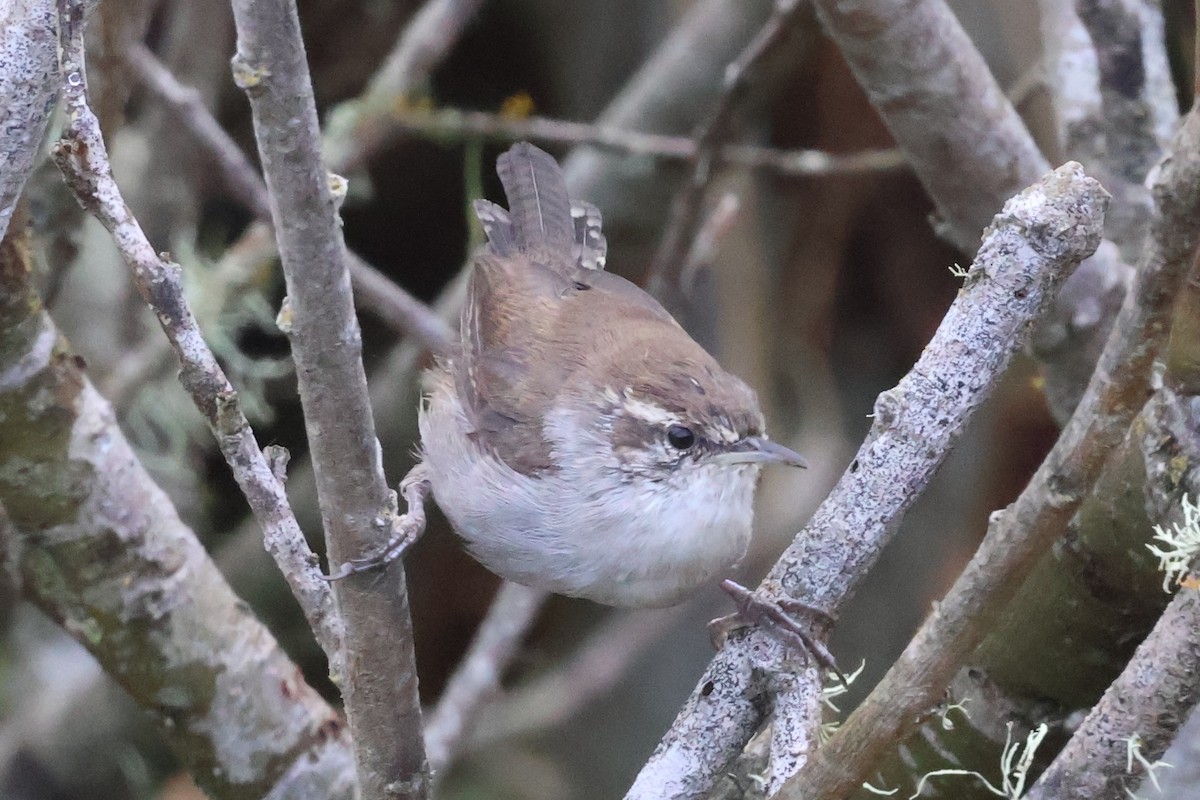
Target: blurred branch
{"x": 668, "y": 94}
{"x": 1027, "y": 253}
{"x": 357, "y": 509}
{"x": 1113, "y": 98}
{"x": 595, "y": 667}
{"x": 1020, "y": 534}
{"x": 374, "y": 291}
{"x": 477, "y": 678}
{"x": 971, "y": 151}
{"x": 453, "y": 124}
{"x": 931, "y": 86}
{"x": 687, "y": 207}
{"x": 96, "y": 545}
{"x": 361, "y": 127}
{"x": 240, "y": 176}
{"x": 83, "y": 159}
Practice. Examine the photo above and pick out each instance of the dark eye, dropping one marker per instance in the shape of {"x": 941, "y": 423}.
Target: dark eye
{"x": 680, "y": 437}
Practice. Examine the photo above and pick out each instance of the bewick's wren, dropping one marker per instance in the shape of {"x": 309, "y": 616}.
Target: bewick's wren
{"x": 580, "y": 441}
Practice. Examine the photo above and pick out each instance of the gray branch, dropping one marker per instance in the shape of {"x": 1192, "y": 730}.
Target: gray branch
{"x": 454, "y": 124}
{"x": 360, "y": 127}
{"x": 28, "y": 92}
{"x": 477, "y": 678}
{"x": 971, "y": 151}
{"x": 357, "y": 508}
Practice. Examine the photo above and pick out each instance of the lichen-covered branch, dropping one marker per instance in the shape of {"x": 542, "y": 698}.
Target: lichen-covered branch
{"x": 93, "y": 542}
{"x": 1034, "y": 243}
{"x": 357, "y": 508}
{"x": 28, "y": 92}
{"x": 1142, "y": 709}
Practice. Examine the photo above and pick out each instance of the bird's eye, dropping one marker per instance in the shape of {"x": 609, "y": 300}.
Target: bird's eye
{"x": 680, "y": 437}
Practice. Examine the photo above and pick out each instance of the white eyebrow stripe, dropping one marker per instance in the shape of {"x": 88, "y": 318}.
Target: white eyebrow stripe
{"x": 647, "y": 412}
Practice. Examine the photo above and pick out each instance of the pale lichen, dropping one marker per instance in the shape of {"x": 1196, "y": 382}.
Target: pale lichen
{"x": 1181, "y": 545}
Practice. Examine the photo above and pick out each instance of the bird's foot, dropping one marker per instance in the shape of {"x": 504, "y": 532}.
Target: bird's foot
{"x": 406, "y": 528}
{"x": 779, "y": 619}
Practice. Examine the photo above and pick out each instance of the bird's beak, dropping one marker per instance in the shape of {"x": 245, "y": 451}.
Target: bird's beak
{"x": 761, "y": 450}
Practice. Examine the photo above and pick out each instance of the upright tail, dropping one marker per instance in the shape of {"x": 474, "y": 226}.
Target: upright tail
{"x": 540, "y": 215}
{"x": 538, "y": 203}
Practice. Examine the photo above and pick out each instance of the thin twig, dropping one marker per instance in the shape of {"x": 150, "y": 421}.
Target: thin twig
{"x": 477, "y": 678}
{"x": 357, "y": 508}
{"x": 83, "y": 159}
{"x": 686, "y": 209}
{"x": 1019, "y": 535}
{"x": 452, "y": 124}
{"x": 374, "y": 291}
{"x": 1034, "y": 243}
{"x": 360, "y": 127}
{"x": 595, "y": 667}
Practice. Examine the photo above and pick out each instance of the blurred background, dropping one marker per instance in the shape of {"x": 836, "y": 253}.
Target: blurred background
{"x": 820, "y": 290}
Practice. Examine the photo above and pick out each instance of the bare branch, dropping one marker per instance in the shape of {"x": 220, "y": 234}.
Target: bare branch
{"x": 940, "y": 101}
{"x": 594, "y": 668}
{"x": 971, "y": 151}
{"x": 374, "y": 291}
{"x": 1113, "y": 98}
{"x": 687, "y": 208}
{"x": 359, "y": 128}
{"x": 357, "y": 508}
{"x": 1019, "y": 535}
{"x": 83, "y": 159}
{"x": 1034, "y": 243}
{"x": 477, "y": 678}
{"x": 454, "y": 124}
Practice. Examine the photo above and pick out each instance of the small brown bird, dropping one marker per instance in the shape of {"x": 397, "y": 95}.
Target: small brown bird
{"x": 580, "y": 441}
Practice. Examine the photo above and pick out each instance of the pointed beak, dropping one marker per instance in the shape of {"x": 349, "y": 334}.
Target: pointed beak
{"x": 760, "y": 450}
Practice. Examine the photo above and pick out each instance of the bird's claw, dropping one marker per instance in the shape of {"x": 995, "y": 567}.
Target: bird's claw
{"x": 777, "y": 618}
{"x": 406, "y": 529}
{"x": 402, "y": 538}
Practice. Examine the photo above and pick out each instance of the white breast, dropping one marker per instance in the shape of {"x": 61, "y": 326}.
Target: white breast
{"x": 580, "y": 531}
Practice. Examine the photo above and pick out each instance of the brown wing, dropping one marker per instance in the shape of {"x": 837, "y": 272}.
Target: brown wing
{"x": 537, "y": 307}
{"x": 511, "y": 302}
{"x": 503, "y": 373}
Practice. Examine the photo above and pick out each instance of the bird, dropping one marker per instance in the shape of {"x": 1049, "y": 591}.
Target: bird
{"x": 578, "y": 439}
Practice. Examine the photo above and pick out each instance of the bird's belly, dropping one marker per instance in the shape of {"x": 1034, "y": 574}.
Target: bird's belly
{"x": 629, "y": 546}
